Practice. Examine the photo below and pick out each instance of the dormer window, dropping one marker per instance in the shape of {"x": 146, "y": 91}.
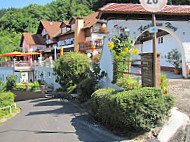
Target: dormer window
{"x": 72, "y": 27}
{"x": 63, "y": 30}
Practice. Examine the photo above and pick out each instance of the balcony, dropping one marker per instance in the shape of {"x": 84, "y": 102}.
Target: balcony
{"x": 27, "y": 65}
{"x": 85, "y": 46}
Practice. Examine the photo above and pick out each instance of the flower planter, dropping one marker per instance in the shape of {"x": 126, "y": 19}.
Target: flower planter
{"x": 176, "y": 71}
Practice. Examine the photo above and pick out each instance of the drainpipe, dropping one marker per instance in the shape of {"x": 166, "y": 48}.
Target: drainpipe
{"x": 55, "y": 52}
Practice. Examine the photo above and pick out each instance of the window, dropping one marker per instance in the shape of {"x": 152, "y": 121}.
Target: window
{"x": 3, "y": 77}
{"x": 39, "y": 75}
{"x": 160, "y": 40}
{"x": 49, "y": 74}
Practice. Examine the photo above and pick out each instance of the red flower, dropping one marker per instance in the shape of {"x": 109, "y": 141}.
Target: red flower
{"x": 109, "y": 39}
{"x": 108, "y": 32}
{"x": 116, "y": 25}
{"x": 120, "y": 27}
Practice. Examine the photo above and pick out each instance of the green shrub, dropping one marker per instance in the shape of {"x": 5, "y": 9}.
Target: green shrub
{"x": 42, "y": 82}
{"x": 138, "y": 109}
{"x": 11, "y": 82}
{"x": 164, "y": 83}
{"x": 2, "y": 86}
{"x": 34, "y": 86}
{"x": 86, "y": 88}
{"x": 129, "y": 83}
{"x": 71, "y": 69}
{"x": 6, "y": 99}
{"x": 20, "y": 87}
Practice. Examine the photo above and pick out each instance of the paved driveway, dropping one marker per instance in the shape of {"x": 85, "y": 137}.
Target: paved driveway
{"x": 50, "y": 120}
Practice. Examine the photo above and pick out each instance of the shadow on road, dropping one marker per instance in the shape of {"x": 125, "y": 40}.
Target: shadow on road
{"x": 37, "y": 132}
{"x": 86, "y": 128}
{"x": 66, "y": 107}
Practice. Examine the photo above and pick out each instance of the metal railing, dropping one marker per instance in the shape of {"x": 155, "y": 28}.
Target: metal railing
{"x": 10, "y": 107}
{"x": 28, "y": 64}
{"x": 129, "y": 67}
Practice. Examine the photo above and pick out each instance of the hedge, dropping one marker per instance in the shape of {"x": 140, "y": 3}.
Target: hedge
{"x": 140, "y": 109}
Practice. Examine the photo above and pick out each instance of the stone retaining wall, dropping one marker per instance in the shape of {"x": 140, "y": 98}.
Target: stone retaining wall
{"x": 27, "y": 95}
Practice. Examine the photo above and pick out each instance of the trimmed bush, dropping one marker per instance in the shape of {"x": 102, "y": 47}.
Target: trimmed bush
{"x": 11, "y": 82}
{"x": 139, "y": 109}
{"x": 86, "y": 88}
{"x": 32, "y": 86}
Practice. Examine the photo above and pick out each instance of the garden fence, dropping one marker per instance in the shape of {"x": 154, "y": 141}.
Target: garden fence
{"x": 10, "y": 107}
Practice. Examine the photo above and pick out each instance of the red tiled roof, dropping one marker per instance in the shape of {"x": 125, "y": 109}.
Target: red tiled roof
{"x": 33, "y": 39}
{"x": 90, "y": 20}
{"x": 51, "y": 27}
{"x": 128, "y": 8}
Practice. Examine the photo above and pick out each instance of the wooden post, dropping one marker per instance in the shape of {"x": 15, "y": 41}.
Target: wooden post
{"x": 154, "y": 51}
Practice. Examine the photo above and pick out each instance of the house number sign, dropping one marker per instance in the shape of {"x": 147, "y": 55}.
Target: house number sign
{"x": 153, "y": 5}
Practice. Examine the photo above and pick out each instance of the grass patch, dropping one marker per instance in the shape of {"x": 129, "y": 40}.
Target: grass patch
{"x": 4, "y": 118}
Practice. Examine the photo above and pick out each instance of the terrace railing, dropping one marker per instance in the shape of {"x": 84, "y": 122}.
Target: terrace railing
{"x": 27, "y": 64}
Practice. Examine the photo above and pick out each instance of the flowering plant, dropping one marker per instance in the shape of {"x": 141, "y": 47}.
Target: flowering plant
{"x": 87, "y": 42}
{"x": 103, "y": 29}
{"x": 98, "y": 40}
{"x": 96, "y": 58}
{"x": 121, "y": 47}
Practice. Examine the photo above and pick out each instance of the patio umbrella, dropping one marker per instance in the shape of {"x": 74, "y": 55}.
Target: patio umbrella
{"x": 15, "y": 53}
{"x": 29, "y": 53}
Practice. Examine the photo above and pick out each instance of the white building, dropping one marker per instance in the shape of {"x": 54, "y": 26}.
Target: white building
{"x": 174, "y": 20}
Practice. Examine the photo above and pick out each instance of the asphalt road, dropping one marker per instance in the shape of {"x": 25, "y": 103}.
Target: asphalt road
{"x": 52, "y": 120}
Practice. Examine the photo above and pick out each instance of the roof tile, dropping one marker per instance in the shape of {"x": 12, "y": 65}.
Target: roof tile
{"x": 33, "y": 39}
{"x": 51, "y": 27}
{"x": 138, "y": 9}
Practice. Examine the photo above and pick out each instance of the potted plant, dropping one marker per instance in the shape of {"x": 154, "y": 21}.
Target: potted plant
{"x": 98, "y": 40}
{"x": 87, "y": 42}
{"x": 164, "y": 84}
{"x": 103, "y": 29}
{"x": 174, "y": 58}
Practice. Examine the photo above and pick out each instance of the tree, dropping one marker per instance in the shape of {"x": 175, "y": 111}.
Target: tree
{"x": 71, "y": 69}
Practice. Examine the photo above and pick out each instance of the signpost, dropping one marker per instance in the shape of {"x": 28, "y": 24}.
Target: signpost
{"x": 154, "y": 6}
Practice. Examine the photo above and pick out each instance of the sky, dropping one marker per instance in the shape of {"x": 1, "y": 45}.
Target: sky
{"x": 21, "y": 3}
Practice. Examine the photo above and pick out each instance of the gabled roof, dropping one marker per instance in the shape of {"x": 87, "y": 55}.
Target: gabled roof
{"x": 65, "y": 22}
{"x": 51, "y": 27}
{"x": 128, "y": 8}
{"x": 32, "y": 39}
{"x": 90, "y": 20}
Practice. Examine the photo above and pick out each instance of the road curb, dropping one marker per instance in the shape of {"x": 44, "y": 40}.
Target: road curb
{"x": 177, "y": 121}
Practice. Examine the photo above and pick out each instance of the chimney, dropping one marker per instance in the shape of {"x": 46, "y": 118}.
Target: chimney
{"x": 79, "y": 24}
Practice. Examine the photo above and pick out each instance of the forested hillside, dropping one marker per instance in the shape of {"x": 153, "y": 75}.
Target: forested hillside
{"x": 14, "y": 21}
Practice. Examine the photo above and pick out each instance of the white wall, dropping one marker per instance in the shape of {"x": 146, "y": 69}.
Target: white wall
{"x": 6, "y": 71}
{"x": 48, "y": 75}
{"x": 179, "y": 29}
{"x": 95, "y": 36}
{"x": 168, "y": 44}
{"x": 183, "y": 27}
